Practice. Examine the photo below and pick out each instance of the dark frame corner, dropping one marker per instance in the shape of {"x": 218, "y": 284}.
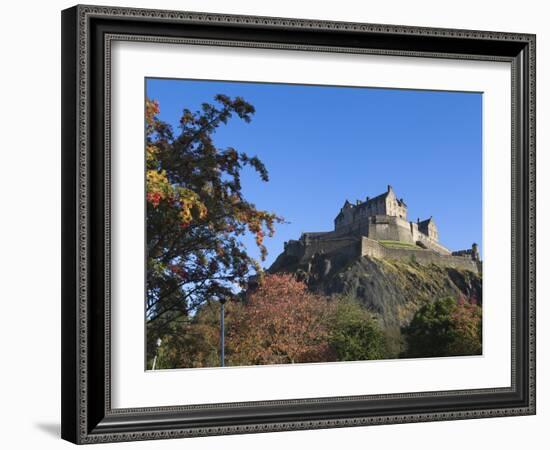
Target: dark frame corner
{"x": 87, "y": 416}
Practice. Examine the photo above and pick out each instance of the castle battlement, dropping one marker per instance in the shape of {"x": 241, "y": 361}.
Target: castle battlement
{"x": 378, "y": 227}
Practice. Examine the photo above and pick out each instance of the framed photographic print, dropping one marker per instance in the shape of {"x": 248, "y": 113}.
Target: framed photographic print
{"x": 280, "y": 224}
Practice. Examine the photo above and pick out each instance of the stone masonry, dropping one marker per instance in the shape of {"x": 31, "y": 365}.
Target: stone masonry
{"x": 377, "y": 227}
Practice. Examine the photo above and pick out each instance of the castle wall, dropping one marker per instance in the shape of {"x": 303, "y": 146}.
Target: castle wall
{"x": 294, "y": 248}
{"x": 359, "y": 227}
{"x": 374, "y": 249}
{"x": 417, "y": 235}
{"x": 348, "y": 246}
{"x": 432, "y": 245}
{"x": 389, "y": 228}
{"x": 345, "y": 218}
{"x": 415, "y": 231}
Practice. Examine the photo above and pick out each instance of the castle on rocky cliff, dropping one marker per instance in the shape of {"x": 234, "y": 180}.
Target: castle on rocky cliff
{"x": 376, "y": 227}
{"x": 384, "y": 217}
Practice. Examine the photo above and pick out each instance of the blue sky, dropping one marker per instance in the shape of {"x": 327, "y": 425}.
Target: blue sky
{"x": 323, "y": 145}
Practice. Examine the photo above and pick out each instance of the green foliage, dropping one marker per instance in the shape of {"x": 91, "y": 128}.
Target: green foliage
{"x": 280, "y": 322}
{"x": 195, "y": 342}
{"x": 354, "y": 333}
{"x": 445, "y": 327}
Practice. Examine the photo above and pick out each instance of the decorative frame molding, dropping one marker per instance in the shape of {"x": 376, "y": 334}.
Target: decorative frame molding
{"x": 87, "y": 34}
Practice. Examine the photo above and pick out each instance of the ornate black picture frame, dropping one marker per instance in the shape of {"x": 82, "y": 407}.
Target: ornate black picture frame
{"x": 87, "y": 415}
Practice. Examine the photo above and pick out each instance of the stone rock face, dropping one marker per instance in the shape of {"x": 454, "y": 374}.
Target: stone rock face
{"x": 388, "y": 264}
{"x": 391, "y": 289}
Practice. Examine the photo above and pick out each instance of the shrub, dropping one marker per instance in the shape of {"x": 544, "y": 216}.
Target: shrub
{"x": 354, "y": 333}
{"x": 446, "y": 327}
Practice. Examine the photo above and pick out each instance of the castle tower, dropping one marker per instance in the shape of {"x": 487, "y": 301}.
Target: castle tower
{"x": 395, "y": 207}
{"x": 429, "y": 229}
{"x": 475, "y": 252}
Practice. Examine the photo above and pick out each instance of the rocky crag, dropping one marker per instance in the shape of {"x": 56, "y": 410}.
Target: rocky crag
{"x": 392, "y": 289}
{"x": 391, "y": 265}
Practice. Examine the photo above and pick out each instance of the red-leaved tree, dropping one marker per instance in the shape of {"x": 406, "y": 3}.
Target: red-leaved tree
{"x": 282, "y": 322}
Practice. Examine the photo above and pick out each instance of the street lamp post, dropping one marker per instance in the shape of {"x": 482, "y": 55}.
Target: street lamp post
{"x": 159, "y": 341}
{"x": 222, "y": 331}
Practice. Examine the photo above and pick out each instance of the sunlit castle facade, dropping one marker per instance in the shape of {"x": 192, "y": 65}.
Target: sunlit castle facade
{"x": 377, "y": 227}
{"x": 384, "y": 217}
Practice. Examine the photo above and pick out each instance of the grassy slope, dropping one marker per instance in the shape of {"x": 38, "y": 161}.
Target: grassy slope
{"x": 400, "y": 245}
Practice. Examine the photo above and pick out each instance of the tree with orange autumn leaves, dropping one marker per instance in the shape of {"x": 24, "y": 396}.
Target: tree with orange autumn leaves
{"x": 279, "y": 322}
{"x": 196, "y": 213}
{"x": 282, "y": 322}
